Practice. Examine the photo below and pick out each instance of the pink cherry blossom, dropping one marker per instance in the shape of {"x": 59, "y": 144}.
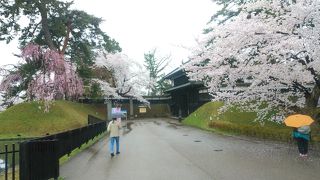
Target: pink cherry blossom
{"x": 56, "y": 77}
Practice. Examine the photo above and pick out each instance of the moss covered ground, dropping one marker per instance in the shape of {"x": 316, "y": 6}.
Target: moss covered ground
{"x": 29, "y": 119}
{"x": 236, "y": 122}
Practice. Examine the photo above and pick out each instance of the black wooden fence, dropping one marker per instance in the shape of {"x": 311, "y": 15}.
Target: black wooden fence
{"x": 70, "y": 140}
{"x": 39, "y": 158}
{"x": 9, "y": 154}
{"x": 93, "y": 120}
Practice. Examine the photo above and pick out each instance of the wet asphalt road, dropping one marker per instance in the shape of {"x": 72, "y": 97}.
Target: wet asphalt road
{"x": 160, "y": 149}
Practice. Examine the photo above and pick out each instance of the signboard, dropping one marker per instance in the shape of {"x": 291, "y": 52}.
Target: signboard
{"x": 142, "y": 109}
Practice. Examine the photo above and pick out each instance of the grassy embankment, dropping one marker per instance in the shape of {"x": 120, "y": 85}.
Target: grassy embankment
{"x": 240, "y": 123}
{"x": 29, "y": 119}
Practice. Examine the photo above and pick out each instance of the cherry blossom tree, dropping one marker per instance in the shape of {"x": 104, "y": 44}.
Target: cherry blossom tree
{"x": 269, "y": 54}
{"x": 129, "y": 78}
{"x": 55, "y": 25}
{"x": 55, "y": 77}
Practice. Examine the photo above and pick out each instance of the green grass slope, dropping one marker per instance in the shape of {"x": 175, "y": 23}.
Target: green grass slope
{"x": 235, "y": 122}
{"x": 28, "y": 119}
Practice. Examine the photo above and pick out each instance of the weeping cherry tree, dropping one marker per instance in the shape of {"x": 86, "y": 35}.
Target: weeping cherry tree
{"x": 54, "y": 79}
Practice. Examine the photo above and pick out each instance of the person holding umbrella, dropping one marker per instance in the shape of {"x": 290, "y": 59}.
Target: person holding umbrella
{"x": 114, "y": 130}
{"x": 302, "y": 136}
{"x": 301, "y": 132}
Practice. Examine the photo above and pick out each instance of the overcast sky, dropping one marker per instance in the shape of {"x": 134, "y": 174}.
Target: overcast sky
{"x": 141, "y": 25}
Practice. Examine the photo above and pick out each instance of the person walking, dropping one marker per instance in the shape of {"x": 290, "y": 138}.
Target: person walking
{"x": 114, "y": 130}
{"x": 302, "y": 136}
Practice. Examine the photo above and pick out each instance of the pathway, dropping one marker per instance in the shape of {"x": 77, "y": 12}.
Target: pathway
{"x": 157, "y": 149}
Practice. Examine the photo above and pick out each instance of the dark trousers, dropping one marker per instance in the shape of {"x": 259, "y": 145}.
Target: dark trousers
{"x": 302, "y": 145}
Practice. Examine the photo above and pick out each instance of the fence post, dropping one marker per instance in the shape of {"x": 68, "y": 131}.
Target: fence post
{"x": 6, "y": 162}
{"x": 13, "y": 161}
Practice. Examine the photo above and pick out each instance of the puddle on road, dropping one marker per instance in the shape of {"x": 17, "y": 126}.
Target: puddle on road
{"x": 185, "y": 135}
{"x": 138, "y": 124}
{"x": 172, "y": 126}
{"x": 128, "y": 128}
{"x": 156, "y": 122}
{"x": 197, "y": 141}
{"x": 93, "y": 151}
{"x": 176, "y": 124}
{"x": 218, "y": 150}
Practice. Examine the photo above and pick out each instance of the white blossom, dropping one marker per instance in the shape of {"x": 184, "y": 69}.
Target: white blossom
{"x": 130, "y": 78}
{"x": 276, "y": 49}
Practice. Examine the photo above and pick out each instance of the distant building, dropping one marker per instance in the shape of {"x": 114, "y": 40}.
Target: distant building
{"x": 183, "y": 98}
{"x": 131, "y": 108}
{"x": 186, "y": 96}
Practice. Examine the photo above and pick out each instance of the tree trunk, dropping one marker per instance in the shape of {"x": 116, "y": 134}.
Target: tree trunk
{"x": 45, "y": 26}
{"x": 66, "y": 39}
{"x": 311, "y": 102}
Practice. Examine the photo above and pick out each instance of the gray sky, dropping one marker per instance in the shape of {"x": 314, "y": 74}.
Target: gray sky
{"x": 141, "y": 25}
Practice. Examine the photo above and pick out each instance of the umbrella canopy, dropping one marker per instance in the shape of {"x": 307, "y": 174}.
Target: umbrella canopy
{"x": 117, "y": 115}
{"x": 298, "y": 120}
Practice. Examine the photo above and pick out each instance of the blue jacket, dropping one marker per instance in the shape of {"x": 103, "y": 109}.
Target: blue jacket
{"x": 297, "y": 134}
